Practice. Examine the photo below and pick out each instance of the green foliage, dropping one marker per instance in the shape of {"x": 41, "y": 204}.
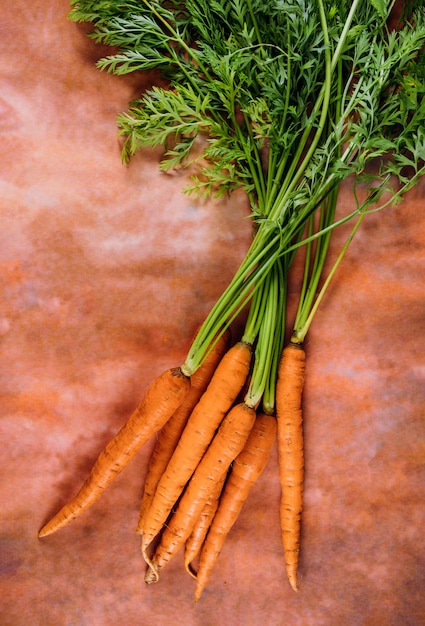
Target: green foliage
{"x": 291, "y": 98}
{"x": 248, "y": 75}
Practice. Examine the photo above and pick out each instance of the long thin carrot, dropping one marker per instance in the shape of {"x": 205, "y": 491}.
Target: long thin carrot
{"x": 196, "y": 538}
{"x": 289, "y": 390}
{"x": 226, "y": 383}
{"x": 246, "y": 469}
{"x": 226, "y": 445}
{"x": 159, "y": 403}
{"x": 170, "y": 433}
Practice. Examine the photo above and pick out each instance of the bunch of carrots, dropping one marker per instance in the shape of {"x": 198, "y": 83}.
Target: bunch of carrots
{"x": 293, "y": 97}
{"x": 211, "y": 448}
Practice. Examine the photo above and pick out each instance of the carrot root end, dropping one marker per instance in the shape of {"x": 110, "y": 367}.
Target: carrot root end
{"x": 189, "y": 569}
{"x": 152, "y": 575}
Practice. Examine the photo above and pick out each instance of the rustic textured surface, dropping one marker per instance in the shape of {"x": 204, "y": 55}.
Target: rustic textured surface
{"x": 105, "y": 273}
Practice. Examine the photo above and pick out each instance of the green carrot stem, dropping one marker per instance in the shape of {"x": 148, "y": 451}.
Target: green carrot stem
{"x": 297, "y": 169}
{"x": 266, "y": 316}
{"x": 300, "y": 332}
{"x": 268, "y": 401}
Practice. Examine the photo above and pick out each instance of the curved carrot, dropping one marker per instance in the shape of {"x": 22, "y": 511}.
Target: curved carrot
{"x": 226, "y": 445}
{"x": 160, "y": 401}
{"x": 226, "y": 383}
{"x": 196, "y": 538}
{"x": 289, "y": 390}
{"x": 170, "y": 433}
{"x": 246, "y": 469}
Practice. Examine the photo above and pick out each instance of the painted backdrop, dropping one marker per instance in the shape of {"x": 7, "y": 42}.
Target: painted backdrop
{"x": 105, "y": 273}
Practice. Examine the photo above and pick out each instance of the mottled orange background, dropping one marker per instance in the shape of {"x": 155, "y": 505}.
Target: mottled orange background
{"x": 105, "y": 273}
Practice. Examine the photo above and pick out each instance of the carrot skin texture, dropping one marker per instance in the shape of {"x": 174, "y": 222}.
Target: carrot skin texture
{"x": 225, "y": 385}
{"x": 226, "y": 445}
{"x": 160, "y": 401}
{"x": 196, "y": 539}
{"x": 246, "y": 469}
{"x": 170, "y": 433}
{"x": 289, "y": 391}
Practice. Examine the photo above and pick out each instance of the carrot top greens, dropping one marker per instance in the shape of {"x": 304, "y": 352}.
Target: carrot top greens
{"x": 291, "y": 97}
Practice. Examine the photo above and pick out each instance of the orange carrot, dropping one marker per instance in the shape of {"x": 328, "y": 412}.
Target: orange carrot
{"x": 246, "y": 469}
{"x": 194, "y": 543}
{"x": 291, "y": 456}
{"x": 170, "y": 433}
{"x": 161, "y": 400}
{"x": 223, "y": 389}
{"x": 226, "y": 445}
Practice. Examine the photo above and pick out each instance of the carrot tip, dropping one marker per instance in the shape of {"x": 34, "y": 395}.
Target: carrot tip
{"x": 189, "y": 569}
{"x": 152, "y": 575}
{"x": 198, "y": 594}
{"x": 294, "y": 584}
{"x": 44, "y": 532}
